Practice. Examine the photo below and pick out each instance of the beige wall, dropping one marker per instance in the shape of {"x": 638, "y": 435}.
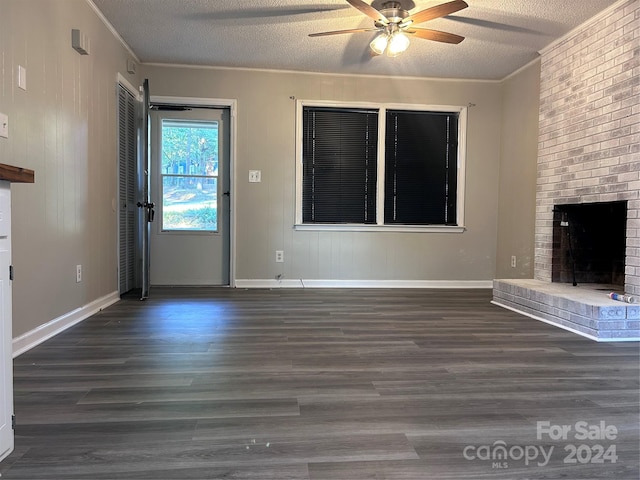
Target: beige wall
{"x": 517, "y": 208}
{"x": 266, "y": 141}
{"x": 63, "y": 127}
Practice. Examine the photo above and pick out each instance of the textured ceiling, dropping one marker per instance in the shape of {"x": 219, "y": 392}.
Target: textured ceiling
{"x": 501, "y": 35}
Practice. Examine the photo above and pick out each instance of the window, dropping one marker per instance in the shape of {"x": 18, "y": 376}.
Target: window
{"x": 339, "y": 163}
{"x": 189, "y": 175}
{"x": 421, "y": 168}
{"x": 380, "y": 166}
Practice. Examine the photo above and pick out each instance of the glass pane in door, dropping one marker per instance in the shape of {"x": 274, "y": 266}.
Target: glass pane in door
{"x": 189, "y": 171}
{"x": 189, "y": 203}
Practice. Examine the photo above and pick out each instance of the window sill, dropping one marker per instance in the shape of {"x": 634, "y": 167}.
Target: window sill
{"x": 378, "y": 228}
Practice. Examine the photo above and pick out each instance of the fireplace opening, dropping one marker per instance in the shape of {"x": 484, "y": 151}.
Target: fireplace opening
{"x": 589, "y": 242}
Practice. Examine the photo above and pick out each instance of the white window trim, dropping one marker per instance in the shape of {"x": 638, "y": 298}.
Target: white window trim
{"x": 380, "y": 226}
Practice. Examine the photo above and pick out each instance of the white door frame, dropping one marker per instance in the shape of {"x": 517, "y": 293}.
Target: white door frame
{"x": 232, "y": 105}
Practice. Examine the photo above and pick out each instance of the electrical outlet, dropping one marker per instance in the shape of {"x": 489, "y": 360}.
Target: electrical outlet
{"x": 78, "y": 273}
{"x": 513, "y": 261}
{"x": 279, "y": 256}
{"x": 255, "y": 176}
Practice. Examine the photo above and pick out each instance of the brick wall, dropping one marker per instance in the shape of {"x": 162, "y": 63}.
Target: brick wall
{"x": 589, "y": 140}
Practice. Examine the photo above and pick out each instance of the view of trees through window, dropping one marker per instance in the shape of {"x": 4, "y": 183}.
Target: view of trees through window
{"x": 189, "y": 173}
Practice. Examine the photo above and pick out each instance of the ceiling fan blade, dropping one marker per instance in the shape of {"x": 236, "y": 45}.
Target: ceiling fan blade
{"x": 435, "y": 35}
{"x": 340, "y": 32}
{"x": 369, "y": 11}
{"x": 434, "y": 12}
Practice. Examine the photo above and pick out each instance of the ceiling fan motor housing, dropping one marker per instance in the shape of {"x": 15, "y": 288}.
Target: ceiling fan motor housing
{"x": 394, "y": 13}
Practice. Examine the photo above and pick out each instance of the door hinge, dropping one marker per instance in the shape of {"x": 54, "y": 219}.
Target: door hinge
{"x": 13, "y": 422}
{"x": 10, "y": 272}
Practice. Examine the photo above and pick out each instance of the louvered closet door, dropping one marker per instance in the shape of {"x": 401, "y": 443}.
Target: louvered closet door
{"x": 127, "y": 155}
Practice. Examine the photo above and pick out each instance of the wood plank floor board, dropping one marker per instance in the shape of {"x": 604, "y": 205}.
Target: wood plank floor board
{"x": 116, "y": 352}
{"x": 441, "y": 450}
{"x": 35, "y": 383}
{"x": 450, "y": 468}
{"x": 507, "y": 386}
{"x": 108, "y": 433}
{"x": 57, "y": 398}
{"x": 78, "y": 413}
{"x": 163, "y": 365}
{"x": 294, "y": 428}
{"x": 64, "y": 461}
{"x": 238, "y": 472}
{"x": 227, "y": 391}
{"x": 371, "y": 408}
{"x": 312, "y": 384}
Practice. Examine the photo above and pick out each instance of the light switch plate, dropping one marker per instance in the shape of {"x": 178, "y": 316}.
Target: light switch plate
{"x": 4, "y": 125}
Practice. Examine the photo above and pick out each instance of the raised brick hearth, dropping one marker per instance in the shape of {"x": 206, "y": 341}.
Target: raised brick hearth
{"x": 584, "y": 309}
{"x": 588, "y": 150}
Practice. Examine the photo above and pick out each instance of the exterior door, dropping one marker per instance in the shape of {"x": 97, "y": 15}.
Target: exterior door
{"x": 190, "y": 189}
{"x": 145, "y": 206}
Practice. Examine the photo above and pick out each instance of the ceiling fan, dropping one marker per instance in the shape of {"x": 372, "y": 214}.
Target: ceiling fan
{"x": 396, "y": 25}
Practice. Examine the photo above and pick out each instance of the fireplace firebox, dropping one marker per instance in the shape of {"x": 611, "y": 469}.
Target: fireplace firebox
{"x": 589, "y": 242}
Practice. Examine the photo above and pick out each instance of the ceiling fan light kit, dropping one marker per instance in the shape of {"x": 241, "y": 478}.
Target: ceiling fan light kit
{"x": 379, "y": 44}
{"x": 395, "y": 25}
{"x": 398, "y": 43}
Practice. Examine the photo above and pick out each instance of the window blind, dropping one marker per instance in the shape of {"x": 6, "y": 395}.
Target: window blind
{"x": 339, "y": 156}
{"x": 420, "y": 167}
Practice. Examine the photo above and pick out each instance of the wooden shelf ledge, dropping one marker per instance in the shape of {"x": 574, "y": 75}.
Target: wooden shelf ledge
{"x": 9, "y": 173}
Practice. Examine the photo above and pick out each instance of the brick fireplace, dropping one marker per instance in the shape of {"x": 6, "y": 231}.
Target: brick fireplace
{"x": 588, "y": 153}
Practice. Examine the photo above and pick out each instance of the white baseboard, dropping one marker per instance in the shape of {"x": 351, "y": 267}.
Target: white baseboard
{"x": 564, "y": 327}
{"x": 266, "y": 283}
{"x": 302, "y": 283}
{"x": 28, "y": 340}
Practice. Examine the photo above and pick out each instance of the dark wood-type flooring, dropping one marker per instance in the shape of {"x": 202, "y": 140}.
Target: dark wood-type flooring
{"x": 320, "y": 384}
